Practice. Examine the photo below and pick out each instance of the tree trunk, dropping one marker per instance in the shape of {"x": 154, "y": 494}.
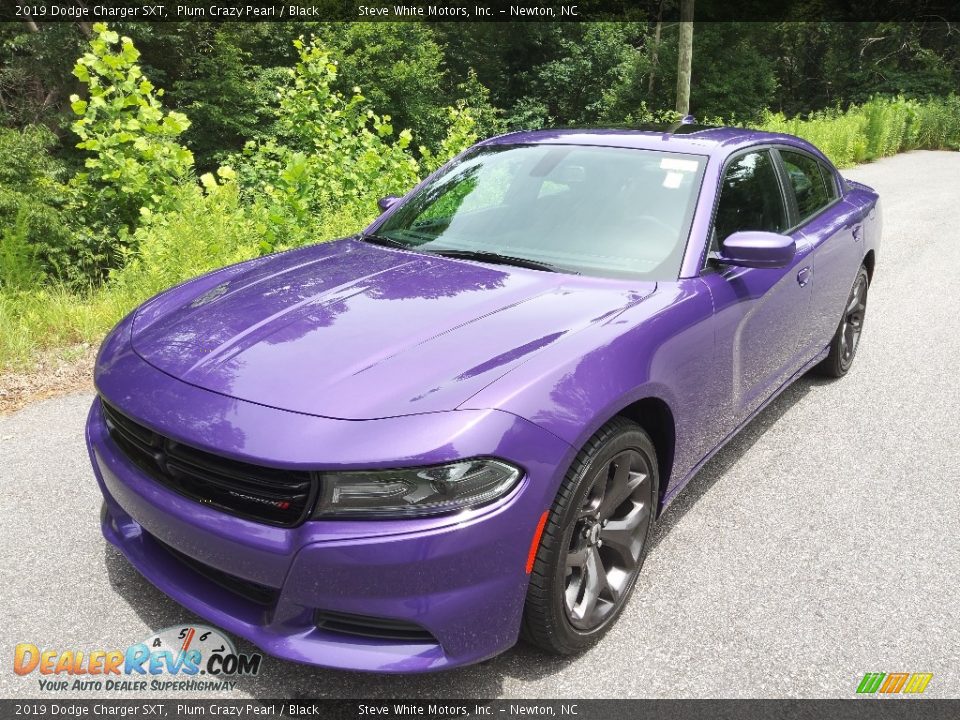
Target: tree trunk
{"x": 685, "y": 57}
{"x": 85, "y": 27}
{"x": 655, "y": 57}
{"x": 31, "y": 25}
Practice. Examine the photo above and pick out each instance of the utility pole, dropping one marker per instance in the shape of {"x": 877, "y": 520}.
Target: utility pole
{"x": 684, "y": 57}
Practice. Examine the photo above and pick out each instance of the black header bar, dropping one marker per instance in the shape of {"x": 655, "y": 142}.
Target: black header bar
{"x": 42, "y": 11}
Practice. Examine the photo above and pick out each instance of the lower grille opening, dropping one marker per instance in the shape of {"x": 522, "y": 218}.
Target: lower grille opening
{"x": 372, "y": 627}
{"x": 254, "y": 592}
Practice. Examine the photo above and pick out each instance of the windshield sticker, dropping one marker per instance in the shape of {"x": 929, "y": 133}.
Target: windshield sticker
{"x": 678, "y": 164}
{"x": 673, "y": 180}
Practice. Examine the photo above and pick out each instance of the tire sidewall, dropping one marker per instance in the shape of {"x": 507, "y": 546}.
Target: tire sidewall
{"x": 834, "y": 365}
{"x": 862, "y": 273}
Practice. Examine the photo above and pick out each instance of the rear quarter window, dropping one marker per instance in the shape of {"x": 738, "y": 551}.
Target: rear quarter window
{"x": 829, "y": 181}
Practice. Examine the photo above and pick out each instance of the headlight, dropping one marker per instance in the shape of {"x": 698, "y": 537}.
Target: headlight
{"x": 415, "y": 491}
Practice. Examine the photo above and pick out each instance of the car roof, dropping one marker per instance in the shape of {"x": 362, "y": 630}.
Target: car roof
{"x": 687, "y": 138}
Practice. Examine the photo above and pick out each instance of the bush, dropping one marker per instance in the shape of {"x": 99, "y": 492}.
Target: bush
{"x": 333, "y": 156}
{"x": 40, "y": 236}
{"x": 938, "y": 124}
{"x": 138, "y": 219}
{"x": 206, "y": 231}
{"x": 19, "y": 268}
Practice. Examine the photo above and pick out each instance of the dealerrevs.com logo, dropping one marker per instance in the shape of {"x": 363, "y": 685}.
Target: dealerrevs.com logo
{"x": 193, "y": 658}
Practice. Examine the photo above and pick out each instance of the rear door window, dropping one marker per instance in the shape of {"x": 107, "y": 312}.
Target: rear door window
{"x": 809, "y": 186}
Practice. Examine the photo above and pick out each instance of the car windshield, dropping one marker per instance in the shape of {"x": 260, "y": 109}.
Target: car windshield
{"x": 592, "y": 210}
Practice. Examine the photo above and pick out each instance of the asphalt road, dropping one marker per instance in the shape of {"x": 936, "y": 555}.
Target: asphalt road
{"x": 822, "y": 543}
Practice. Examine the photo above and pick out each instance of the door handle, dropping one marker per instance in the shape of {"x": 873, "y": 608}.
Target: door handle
{"x": 803, "y": 276}
{"x": 857, "y": 232}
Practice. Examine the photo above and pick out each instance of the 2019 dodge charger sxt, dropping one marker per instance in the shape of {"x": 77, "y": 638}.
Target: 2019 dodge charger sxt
{"x": 397, "y": 451}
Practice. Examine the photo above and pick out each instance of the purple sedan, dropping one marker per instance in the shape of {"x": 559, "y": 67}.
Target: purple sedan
{"x": 403, "y": 450}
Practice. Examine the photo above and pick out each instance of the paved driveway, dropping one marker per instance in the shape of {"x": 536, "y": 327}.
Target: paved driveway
{"x": 822, "y": 543}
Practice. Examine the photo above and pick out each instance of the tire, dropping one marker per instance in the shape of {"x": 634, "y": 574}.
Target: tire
{"x": 615, "y": 479}
{"x": 846, "y": 340}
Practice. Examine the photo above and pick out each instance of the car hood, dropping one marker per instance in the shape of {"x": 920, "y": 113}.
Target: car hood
{"x": 354, "y": 331}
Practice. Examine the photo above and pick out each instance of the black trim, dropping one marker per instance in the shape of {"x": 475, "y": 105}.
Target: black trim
{"x": 372, "y": 627}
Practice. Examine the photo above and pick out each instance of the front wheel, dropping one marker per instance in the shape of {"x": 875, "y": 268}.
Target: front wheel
{"x": 595, "y": 540}
{"x": 843, "y": 346}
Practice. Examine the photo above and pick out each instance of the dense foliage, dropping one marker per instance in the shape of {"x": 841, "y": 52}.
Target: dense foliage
{"x": 166, "y": 150}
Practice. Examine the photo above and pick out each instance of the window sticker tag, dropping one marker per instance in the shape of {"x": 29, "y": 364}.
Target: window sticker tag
{"x": 679, "y": 164}
{"x": 673, "y": 180}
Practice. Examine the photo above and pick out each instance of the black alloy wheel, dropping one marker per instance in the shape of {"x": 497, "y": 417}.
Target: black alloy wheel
{"x": 595, "y": 540}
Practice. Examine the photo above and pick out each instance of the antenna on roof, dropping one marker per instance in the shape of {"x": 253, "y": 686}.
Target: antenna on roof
{"x": 676, "y": 125}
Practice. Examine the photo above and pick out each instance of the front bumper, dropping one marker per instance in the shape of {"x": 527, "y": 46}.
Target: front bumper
{"x": 460, "y": 578}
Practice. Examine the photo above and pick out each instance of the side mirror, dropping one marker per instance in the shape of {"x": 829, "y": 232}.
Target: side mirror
{"x": 385, "y": 203}
{"x": 757, "y": 249}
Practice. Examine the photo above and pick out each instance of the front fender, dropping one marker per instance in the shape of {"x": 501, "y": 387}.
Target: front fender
{"x": 662, "y": 348}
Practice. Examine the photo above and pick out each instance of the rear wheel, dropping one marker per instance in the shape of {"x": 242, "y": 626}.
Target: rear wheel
{"x": 595, "y": 540}
{"x": 843, "y": 347}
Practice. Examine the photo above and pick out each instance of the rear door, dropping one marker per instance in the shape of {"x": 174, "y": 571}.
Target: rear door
{"x": 828, "y": 225}
{"x": 760, "y": 313}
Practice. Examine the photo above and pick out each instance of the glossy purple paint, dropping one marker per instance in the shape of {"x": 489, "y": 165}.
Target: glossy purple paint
{"x": 347, "y": 355}
{"x": 757, "y": 249}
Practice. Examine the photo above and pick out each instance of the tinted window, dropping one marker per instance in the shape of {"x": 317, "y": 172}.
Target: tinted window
{"x": 593, "y": 210}
{"x": 750, "y": 197}
{"x": 829, "y": 181}
{"x": 807, "y": 181}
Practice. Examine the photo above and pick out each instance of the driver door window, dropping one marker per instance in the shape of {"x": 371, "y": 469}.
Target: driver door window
{"x": 750, "y": 198}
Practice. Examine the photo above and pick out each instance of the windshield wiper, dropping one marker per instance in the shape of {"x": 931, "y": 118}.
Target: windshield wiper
{"x": 383, "y": 240}
{"x": 497, "y": 258}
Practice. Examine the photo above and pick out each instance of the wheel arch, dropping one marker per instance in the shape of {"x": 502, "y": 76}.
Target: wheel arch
{"x": 654, "y": 415}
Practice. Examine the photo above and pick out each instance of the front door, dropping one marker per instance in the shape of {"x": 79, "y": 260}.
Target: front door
{"x": 760, "y": 313}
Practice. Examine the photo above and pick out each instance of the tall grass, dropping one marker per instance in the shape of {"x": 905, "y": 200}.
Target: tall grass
{"x": 878, "y": 128}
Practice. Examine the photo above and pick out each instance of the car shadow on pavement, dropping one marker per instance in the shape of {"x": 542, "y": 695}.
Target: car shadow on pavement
{"x": 285, "y": 680}
{"x": 730, "y": 454}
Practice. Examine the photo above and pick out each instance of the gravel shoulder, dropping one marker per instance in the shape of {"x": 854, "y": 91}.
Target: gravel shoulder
{"x": 53, "y": 374}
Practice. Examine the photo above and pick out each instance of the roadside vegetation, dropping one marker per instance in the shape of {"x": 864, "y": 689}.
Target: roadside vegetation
{"x": 879, "y": 127}
{"x": 125, "y": 193}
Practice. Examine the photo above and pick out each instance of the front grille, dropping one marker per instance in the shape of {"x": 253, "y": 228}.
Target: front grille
{"x": 270, "y": 495}
{"x": 254, "y": 592}
{"x": 372, "y": 627}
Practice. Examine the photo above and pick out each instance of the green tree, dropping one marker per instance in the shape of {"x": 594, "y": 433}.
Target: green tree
{"x": 135, "y": 161}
